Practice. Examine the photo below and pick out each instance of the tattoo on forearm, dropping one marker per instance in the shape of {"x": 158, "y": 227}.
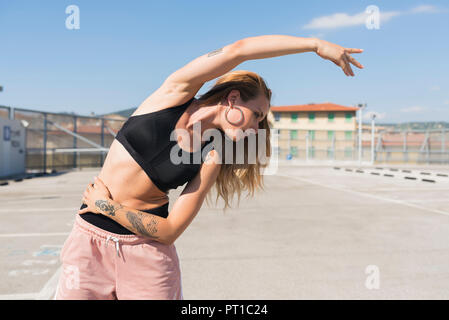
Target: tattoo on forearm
{"x": 215, "y": 52}
{"x": 136, "y": 221}
{"x": 106, "y": 207}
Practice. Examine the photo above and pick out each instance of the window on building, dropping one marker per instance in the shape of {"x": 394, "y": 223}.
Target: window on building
{"x": 330, "y": 135}
{"x": 294, "y": 117}
{"x": 311, "y": 116}
{"x": 348, "y": 135}
{"x": 348, "y": 116}
{"x": 330, "y": 153}
{"x": 277, "y": 116}
{"x": 331, "y": 116}
{"x": 312, "y": 152}
{"x": 294, "y": 134}
{"x": 348, "y": 152}
{"x": 311, "y": 135}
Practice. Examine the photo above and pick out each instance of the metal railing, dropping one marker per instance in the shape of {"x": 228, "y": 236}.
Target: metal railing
{"x": 390, "y": 146}
{"x": 56, "y": 141}
{"x": 62, "y": 141}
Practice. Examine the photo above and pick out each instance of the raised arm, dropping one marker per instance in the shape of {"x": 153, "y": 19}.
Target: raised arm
{"x": 216, "y": 63}
{"x": 269, "y": 46}
{"x": 164, "y": 230}
{"x": 193, "y": 75}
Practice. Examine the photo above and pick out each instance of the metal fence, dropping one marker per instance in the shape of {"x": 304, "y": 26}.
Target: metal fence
{"x": 382, "y": 146}
{"x": 56, "y": 141}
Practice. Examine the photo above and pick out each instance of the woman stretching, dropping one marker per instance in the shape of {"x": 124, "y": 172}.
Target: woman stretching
{"x": 122, "y": 243}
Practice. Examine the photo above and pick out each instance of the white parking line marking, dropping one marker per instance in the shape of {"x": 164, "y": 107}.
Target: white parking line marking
{"x": 12, "y": 235}
{"x": 38, "y": 209}
{"x": 369, "y": 195}
{"x": 18, "y": 296}
{"x": 47, "y": 262}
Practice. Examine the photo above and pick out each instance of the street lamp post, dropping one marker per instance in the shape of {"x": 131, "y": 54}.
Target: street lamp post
{"x": 361, "y": 106}
{"x": 373, "y": 116}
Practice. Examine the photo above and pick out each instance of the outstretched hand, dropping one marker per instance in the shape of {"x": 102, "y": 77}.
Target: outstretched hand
{"x": 338, "y": 55}
{"x": 95, "y": 195}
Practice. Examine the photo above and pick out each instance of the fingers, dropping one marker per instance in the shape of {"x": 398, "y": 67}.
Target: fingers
{"x": 347, "y": 65}
{"x": 344, "y": 66}
{"x": 99, "y": 182}
{"x": 354, "y": 62}
{"x": 353, "y": 50}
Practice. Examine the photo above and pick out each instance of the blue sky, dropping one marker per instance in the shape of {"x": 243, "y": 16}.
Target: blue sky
{"x": 124, "y": 50}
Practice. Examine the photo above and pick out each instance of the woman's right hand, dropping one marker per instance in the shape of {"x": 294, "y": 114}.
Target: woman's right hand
{"x": 338, "y": 55}
{"x": 96, "y": 197}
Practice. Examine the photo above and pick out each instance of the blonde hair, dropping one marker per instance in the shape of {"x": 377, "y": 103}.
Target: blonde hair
{"x": 236, "y": 177}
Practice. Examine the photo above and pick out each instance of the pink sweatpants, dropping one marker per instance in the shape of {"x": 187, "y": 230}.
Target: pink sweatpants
{"x": 98, "y": 264}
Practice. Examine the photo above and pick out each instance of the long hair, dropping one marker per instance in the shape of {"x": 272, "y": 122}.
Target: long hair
{"x": 234, "y": 178}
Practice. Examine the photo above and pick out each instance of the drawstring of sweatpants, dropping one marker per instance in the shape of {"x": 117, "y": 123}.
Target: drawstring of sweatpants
{"x": 116, "y": 243}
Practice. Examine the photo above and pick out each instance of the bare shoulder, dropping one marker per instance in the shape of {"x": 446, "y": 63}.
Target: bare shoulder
{"x": 168, "y": 95}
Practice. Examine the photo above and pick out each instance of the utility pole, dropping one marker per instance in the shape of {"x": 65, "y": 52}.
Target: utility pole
{"x": 361, "y": 107}
{"x": 373, "y": 116}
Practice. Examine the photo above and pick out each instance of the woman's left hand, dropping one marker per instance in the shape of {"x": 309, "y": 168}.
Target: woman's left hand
{"x": 339, "y": 55}
{"x": 94, "y": 192}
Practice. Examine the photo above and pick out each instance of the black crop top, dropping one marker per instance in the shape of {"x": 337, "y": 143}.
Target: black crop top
{"x": 147, "y": 139}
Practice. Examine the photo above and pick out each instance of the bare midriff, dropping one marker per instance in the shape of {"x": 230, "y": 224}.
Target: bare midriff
{"x": 127, "y": 182}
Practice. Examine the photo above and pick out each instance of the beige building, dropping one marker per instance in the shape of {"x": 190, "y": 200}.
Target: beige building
{"x": 315, "y": 131}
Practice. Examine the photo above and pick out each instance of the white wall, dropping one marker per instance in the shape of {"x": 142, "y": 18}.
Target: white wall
{"x": 12, "y": 147}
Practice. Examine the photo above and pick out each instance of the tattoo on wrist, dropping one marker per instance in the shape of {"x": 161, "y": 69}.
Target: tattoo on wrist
{"x": 215, "y": 52}
{"x": 106, "y": 207}
{"x": 136, "y": 221}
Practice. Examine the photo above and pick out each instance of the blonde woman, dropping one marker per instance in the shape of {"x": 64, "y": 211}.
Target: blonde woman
{"x": 122, "y": 242}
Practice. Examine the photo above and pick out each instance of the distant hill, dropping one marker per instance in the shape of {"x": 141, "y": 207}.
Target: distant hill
{"x": 124, "y": 113}
{"x": 431, "y": 125}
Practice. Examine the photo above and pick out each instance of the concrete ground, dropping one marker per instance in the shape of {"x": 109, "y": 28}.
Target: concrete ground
{"x": 315, "y": 232}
